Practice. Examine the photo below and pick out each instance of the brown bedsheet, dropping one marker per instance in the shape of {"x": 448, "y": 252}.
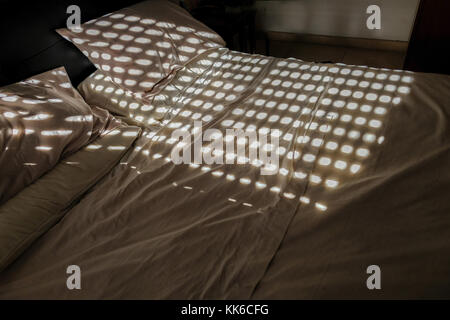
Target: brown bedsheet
{"x": 363, "y": 180}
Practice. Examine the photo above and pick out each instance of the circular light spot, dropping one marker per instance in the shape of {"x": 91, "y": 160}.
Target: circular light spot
{"x": 92, "y": 32}
{"x": 117, "y": 47}
{"x": 331, "y": 183}
{"x": 347, "y": 149}
{"x": 333, "y": 91}
{"x": 385, "y": 99}
{"x": 354, "y": 168}
{"x": 136, "y": 29}
{"x": 324, "y": 161}
{"x": 362, "y": 152}
{"x": 331, "y": 145}
{"x": 354, "y": 134}
{"x": 360, "y": 121}
{"x": 403, "y": 90}
{"x": 120, "y": 26}
{"x": 366, "y": 108}
{"x": 341, "y": 165}
{"x": 110, "y": 35}
{"x": 309, "y": 157}
{"x": 375, "y": 123}
{"x": 369, "y": 137}
{"x": 371, "y": 96}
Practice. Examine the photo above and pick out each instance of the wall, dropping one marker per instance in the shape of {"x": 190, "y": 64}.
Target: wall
{"x": 344, "y": 18}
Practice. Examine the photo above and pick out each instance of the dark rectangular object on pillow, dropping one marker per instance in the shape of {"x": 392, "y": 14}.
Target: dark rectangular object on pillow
{"x": 30, "y": 44}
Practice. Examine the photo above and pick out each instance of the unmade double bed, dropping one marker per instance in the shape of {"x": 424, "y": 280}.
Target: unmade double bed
{"x": 88, "y": 177}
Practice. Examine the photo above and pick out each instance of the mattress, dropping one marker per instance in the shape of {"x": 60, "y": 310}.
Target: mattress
{"x": 361, "y": 179}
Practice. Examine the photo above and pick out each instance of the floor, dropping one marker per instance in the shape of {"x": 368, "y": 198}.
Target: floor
{"x": 335, "y": 54}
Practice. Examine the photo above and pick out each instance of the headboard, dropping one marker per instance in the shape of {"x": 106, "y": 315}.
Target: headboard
{"x": 29, "y": 45}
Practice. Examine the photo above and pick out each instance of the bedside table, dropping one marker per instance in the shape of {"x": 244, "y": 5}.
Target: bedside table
{"x": 230, "y": 19}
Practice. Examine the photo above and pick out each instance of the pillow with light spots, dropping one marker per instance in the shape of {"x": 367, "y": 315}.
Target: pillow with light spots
{"x": 140, "y": 46}
{"x": 99, "y": 90}
{"x": 43, "y": 119}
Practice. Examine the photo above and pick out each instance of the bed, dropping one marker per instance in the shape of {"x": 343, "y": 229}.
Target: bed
{"x": 361, "y": 180}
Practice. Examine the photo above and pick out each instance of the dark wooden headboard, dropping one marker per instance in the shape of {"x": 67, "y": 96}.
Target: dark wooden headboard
{"x": 29, "y": 45}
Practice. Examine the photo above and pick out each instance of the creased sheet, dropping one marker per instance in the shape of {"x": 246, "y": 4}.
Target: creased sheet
{"x": 154, "y": 229}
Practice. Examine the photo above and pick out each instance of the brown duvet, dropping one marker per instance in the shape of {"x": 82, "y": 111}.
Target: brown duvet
{"x": 363, "y": 180}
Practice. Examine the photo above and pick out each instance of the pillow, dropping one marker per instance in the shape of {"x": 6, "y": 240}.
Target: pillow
{"x": 41, "y": 120}
{"x": 98, "y": 89}
{"x": 142, "y": 45}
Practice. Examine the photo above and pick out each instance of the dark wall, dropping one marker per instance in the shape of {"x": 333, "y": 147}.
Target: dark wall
{"x": 429, "y": 48}
{"x": 29, "y": 45}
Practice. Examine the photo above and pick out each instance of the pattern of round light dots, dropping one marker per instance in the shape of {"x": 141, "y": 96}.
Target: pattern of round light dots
{"x": 367, "y": 113}
{"x": 119, "y": 31}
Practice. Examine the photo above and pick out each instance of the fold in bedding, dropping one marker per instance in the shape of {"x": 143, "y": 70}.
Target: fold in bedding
{"x": 38, "y": 207}
{"x": 350, "y": 138}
